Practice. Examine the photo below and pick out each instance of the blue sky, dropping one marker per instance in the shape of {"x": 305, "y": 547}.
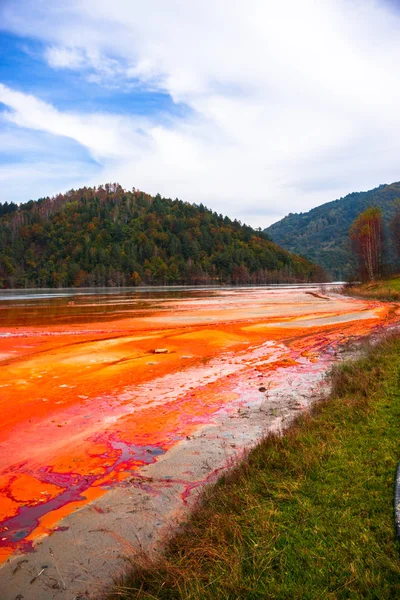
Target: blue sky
{"x": 23, "y": 68}
{"x": 254, "y": 108}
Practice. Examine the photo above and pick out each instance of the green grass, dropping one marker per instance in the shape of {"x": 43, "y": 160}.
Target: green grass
{"x": 306, "y": 515}
{"x": 394, "y": 283}
{"x": 384, "y": 290}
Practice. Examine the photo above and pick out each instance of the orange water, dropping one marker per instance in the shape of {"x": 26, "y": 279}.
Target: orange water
{"x": 85, "y": 400}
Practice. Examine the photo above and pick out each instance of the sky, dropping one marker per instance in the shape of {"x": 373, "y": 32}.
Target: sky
{"x": 255, "y": 108}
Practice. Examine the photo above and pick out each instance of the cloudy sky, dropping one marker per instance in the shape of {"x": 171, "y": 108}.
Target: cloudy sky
{"x": 256, "y": 108}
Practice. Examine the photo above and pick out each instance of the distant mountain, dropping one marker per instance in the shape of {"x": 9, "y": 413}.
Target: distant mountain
{"x": 107, "y": 236}
{"x": 322, "y": 234}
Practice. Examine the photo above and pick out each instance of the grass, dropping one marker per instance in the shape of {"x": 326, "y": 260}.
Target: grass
{"x": 395, "y": 283}
{"x": 384, "y": 290}
{"x": 306, "y": 515}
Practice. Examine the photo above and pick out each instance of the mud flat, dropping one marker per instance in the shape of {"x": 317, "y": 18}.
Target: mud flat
{"x": 116, "y": 410}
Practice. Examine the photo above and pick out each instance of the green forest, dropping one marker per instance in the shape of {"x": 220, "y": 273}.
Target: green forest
{"x": 322, "y": 234}
{"x": 107, "y": 236}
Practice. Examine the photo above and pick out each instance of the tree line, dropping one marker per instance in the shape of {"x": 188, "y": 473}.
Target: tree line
{"x": 108, "y": 236}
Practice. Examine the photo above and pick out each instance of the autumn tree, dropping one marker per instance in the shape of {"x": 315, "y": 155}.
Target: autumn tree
{"x": 367, "y": 242}
{"x": 395, "y": 229}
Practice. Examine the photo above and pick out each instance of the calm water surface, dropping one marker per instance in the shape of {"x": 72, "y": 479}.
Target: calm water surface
{"x": 85, "y": 305}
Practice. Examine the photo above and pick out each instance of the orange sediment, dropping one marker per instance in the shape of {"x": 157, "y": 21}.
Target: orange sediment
{"x": 86, "y": 401}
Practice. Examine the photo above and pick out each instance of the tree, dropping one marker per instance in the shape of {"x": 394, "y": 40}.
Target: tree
{"x": 135, "y": 278}
{"x": 367, "y": 242}
{"x": 395, "y": 229}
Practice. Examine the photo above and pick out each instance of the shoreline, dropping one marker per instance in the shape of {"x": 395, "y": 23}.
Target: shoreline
{"x": 152, "y": 502}
{"x": 307, "y": 514}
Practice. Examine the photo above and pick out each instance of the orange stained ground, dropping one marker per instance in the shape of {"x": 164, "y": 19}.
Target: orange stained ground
{"x": 85, "y": 399}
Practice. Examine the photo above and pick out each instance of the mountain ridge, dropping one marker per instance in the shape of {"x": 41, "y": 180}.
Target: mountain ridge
{"x": 322, "y": 233}
{"x": 108, "y": 236}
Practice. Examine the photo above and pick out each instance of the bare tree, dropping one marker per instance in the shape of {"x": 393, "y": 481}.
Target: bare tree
{"x": 395, "y": 229}
{"x": 367, "y": 242}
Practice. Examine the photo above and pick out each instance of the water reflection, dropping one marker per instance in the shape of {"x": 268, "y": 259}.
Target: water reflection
{"x": 87, "y": 305}
{"x": 71, "y": 306}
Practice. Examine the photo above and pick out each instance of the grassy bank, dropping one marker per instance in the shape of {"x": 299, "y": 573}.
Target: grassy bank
{"x": 384, "y": 290}
{"x": 307, "y": 515}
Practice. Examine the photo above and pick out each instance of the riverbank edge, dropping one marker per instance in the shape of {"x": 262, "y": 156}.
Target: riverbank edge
{"x": 306, "y": 514}
{"x": 384, "y": 290}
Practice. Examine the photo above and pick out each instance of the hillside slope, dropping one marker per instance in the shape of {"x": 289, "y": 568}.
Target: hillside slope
{"x": 322, "y": 234}
{"x": 109, "y": 236}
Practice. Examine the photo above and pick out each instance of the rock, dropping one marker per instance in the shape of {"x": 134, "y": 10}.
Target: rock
{"x": 161, "y": 351}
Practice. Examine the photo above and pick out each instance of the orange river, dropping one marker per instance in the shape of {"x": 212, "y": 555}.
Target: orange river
{"x": 87, "y": 398}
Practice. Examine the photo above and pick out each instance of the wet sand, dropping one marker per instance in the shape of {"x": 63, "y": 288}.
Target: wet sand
{"x": 106, "y": 442}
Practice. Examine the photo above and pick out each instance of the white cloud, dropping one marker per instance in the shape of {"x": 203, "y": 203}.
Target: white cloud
{"x": 107, "y": 137}
{"x": 64, "y": 58}
{"x": 292, "y": 103}
{"x": 23, "y": 182}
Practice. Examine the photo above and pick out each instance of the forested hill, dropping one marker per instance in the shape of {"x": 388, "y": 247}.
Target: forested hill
{"x": 322, "y": 234}
{"x": 107, "y": 236}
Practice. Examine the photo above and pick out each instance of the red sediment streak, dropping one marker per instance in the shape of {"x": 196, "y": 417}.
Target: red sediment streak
{"x": 189, "y": 487}
{"x": 73, "y": 487}
{"x": 86, "y": 402}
